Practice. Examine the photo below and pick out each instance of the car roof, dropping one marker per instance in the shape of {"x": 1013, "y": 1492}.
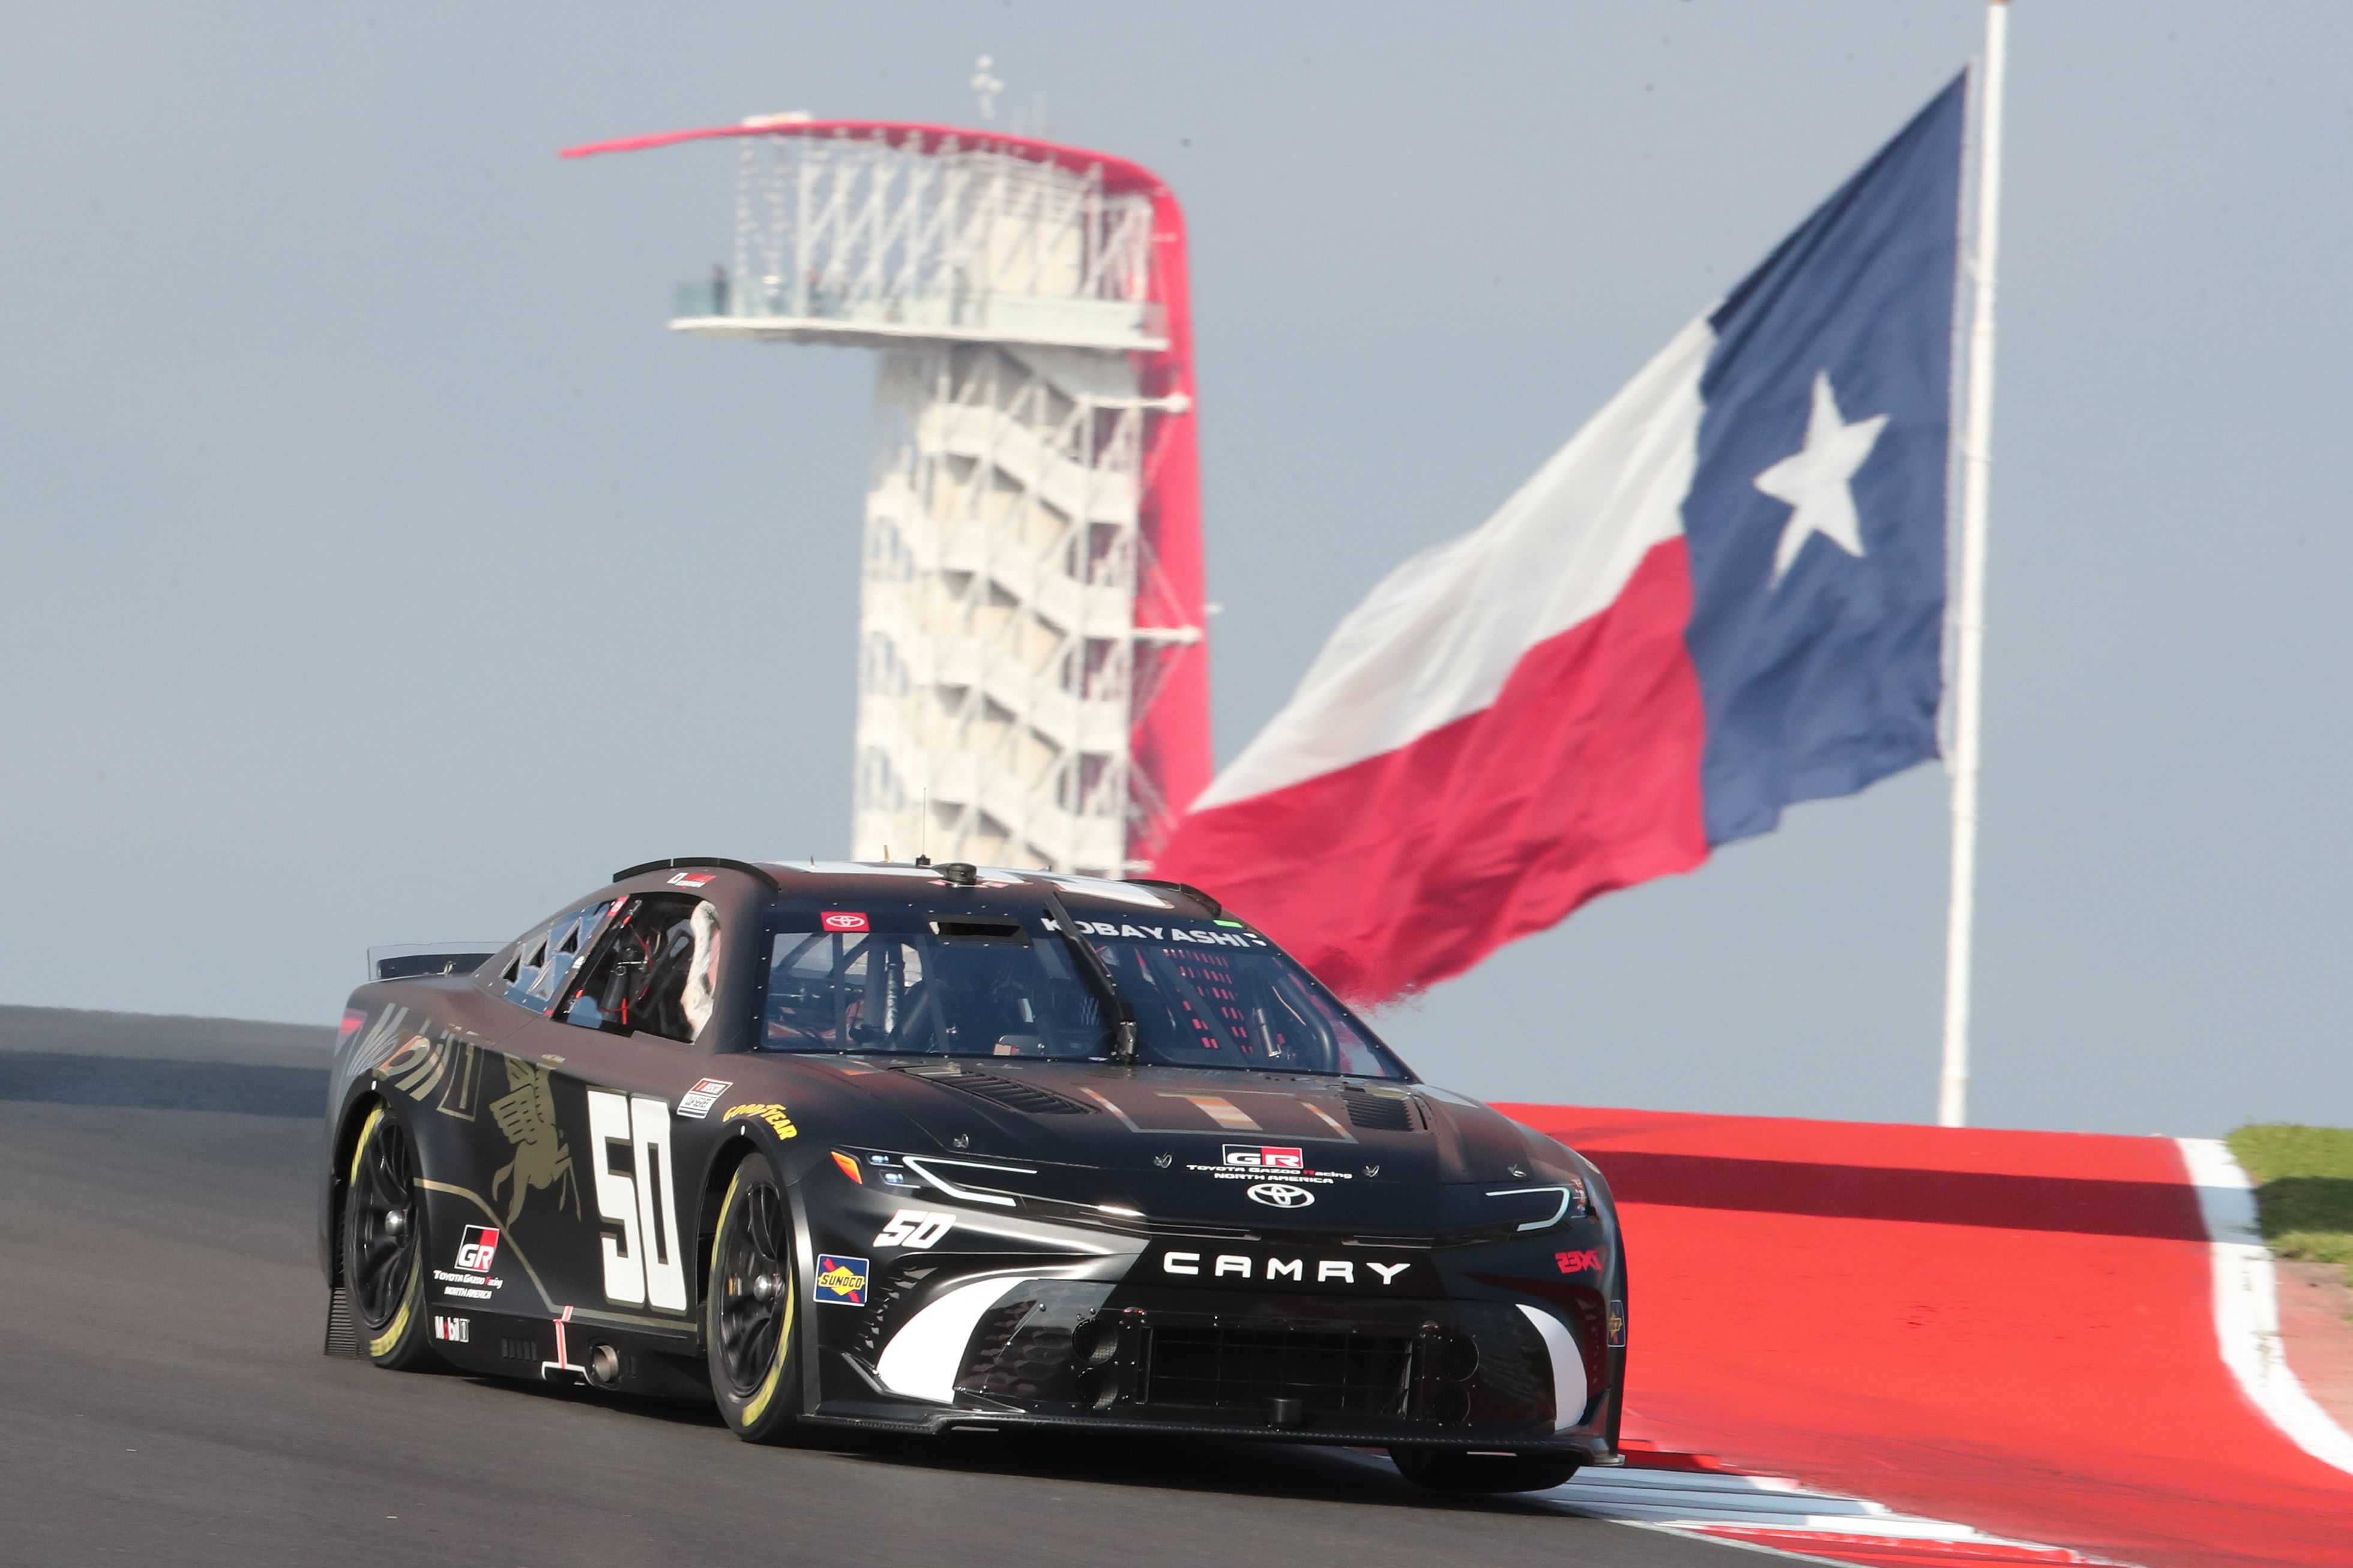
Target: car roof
{"x": 818, "y": 879}
{"x": 853, "y": 880}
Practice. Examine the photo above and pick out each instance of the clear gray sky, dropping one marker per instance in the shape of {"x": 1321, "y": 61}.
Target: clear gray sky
{"x": 377, "y": 567}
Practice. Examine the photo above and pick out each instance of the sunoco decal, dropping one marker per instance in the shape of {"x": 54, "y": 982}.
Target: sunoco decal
{"x": 841, "y": 1281}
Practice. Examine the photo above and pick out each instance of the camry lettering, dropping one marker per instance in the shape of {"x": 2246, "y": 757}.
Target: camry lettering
{"x": 1288, "y": 1270}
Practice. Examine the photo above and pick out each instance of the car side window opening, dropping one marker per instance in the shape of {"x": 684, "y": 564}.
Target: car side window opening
{"x": 538, "y": 965}
{"x": 1011, "y": 987}
{"x": 655, "y": 972}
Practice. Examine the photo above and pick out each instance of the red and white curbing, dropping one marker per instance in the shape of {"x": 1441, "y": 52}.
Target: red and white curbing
{"x": 2247, "y": 1305}
{"x": 1692, "y": 1495}
{"x": 1688, "y": 1495}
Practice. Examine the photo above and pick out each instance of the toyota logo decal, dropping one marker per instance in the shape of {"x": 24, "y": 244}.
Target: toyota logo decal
{"x": 1281, "y": 1195}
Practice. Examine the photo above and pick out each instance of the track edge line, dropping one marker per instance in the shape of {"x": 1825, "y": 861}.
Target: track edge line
{"x": 2247, "y": 1305}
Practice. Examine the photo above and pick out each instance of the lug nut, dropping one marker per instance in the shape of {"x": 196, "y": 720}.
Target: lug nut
{"x": 396, "y": 1222}
{"x": 767, "y": 1287}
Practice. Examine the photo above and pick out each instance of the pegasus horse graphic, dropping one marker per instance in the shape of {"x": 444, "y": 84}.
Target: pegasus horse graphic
{"x": 526, "y": 1114}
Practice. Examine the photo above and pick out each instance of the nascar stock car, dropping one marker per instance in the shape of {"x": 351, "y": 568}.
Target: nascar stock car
{"x": 910, "y": 1146}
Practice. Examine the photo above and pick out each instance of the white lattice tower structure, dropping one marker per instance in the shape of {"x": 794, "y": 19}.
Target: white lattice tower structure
{"x": 1032, "y": 673}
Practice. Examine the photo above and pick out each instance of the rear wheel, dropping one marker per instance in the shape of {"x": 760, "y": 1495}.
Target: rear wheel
{"x": 748, "y": 1307}
{"x": 1465, "y": 1470}
{"x": 384, "y": 1247}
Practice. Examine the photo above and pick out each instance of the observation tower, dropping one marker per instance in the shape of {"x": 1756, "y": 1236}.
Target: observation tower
{"x": 1033, "y": 667}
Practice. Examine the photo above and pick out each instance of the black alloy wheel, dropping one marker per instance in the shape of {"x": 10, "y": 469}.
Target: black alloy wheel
{"x": 749, "y": 1307}
{"x": 383, "y": 1246}
{"x": 1462, "y": 1470}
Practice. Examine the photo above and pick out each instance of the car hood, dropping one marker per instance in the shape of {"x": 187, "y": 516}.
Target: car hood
{"x": 1190, "y": 1144}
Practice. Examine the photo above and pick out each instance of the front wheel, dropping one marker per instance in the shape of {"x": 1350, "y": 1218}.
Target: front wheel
{"x": 384, "y": 1247}
{"x": 1463, "y": 1470}
{"x": 748, "y": 1307}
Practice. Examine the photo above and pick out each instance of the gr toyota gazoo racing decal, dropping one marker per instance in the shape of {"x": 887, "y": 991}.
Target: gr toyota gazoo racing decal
{"x": 1271, "y": 1165}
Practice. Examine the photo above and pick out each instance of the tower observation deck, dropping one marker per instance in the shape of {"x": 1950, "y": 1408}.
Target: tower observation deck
{"x": 1032, "y": 669}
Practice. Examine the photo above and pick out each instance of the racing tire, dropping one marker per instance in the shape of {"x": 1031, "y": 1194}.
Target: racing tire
{"x": 384, "y": 1246}
{"x": 1462, "y": 1470}
{"x": 748, "y": 1307}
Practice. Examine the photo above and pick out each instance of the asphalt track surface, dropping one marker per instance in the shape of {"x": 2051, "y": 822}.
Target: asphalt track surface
{"x": 164, "y": 1400}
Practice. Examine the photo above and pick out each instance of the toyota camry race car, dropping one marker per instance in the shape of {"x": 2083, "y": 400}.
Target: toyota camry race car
{"x": 908, "y": 1147}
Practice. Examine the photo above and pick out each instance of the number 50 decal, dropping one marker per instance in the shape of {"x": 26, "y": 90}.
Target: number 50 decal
{"x": 915, "y": 1227}
{"x": 643, "y": 1266}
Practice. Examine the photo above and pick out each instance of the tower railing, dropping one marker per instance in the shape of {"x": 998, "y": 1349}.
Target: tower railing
{"x": 910, "y": 240}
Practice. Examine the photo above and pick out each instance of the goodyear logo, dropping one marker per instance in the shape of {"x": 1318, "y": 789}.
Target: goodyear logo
{"x": 841, "y": 1280}
{"x": 779, "y": 1119}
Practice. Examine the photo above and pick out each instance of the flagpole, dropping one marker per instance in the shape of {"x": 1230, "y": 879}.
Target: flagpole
{"x": 1969, "y": 622}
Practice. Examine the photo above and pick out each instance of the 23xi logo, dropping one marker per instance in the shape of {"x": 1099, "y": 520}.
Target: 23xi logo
{"x": 1578, "y": 1262}
{"x": 1281, "y": 1195}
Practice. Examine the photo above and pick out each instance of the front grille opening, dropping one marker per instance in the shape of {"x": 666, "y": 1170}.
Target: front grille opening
{"x": 1333, "y": 1373}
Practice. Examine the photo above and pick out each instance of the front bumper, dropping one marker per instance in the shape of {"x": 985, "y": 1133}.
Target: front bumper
{"x": 1016, "y": 1350}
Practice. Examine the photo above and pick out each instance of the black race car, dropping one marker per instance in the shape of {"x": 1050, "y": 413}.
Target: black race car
{"x": 915, "y": 1146}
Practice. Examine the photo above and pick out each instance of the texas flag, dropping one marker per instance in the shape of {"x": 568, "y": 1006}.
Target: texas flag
{"x": 1726, "y": 594}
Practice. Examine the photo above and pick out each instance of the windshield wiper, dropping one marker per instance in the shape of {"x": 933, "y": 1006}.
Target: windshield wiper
{"x": 1121, "y": 1014}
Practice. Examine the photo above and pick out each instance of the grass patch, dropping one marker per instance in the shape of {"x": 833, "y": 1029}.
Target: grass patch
{"x": 2303, "y": 1189}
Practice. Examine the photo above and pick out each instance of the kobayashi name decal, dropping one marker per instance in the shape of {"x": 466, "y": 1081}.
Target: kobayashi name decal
{"x": 1173, "y": 933}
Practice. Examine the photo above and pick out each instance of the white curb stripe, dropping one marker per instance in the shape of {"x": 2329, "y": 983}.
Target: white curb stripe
{"x": 2247, "y": 1305}
{"x": 1712, "y": 1503}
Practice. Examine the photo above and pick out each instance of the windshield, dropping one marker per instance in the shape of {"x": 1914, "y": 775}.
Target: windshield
{"x": 1005, "y": 983}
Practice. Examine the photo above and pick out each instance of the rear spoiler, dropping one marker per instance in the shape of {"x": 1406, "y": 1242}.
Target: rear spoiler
{"x": 408, "y": 960}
